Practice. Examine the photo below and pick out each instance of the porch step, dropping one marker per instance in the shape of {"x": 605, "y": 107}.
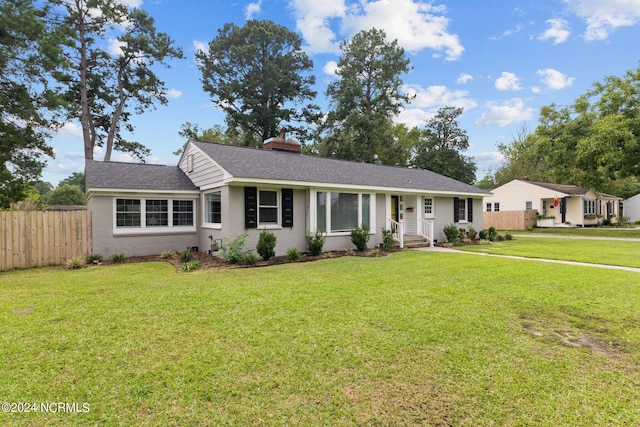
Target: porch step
{"x": 412, "y": 242}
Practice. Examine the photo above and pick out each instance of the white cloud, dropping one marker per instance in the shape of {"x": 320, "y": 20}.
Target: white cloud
{"x": 508, "y": 81}
{"x": 414, "y": 117}
{"x": 464, "y": 79}
{"x": 174, "y": 93}
{"x": 438, "y": 96}
{"x": 416, "y": 24}
{"x": 603, "y": 17}
{"x": 200, "y": 45}
{"x": 131, "y": 3}
{"x": 253, "y": 9}
{"x": 330, "y": 68}
{"x": 554, "y": 79}
{"x": 115, "y": 47}
{"x": 70, "y": 129}
{"x": 558, "y": 31}
{"x": 510, "y": 111}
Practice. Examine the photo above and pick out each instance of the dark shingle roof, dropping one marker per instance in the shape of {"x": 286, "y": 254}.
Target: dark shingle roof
{"x": 573, "y": 190}
{"x": 256, "y": 163}
{"x": 136, "y": 176}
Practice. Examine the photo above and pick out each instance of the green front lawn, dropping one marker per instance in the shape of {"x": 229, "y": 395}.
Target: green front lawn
{"x": 610, "y": 252}
{"x": 414, "y": 338}
{"x": 586, "y": 231}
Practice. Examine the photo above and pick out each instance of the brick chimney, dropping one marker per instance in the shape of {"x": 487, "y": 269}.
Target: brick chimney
{"x": 282, "y": 144}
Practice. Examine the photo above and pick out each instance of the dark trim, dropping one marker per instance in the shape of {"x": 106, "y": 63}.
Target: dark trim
{"x": 250, "y": 207}
{"x": 469, "y": 209}
{"x": 456, "y": 213}
{"x": 287, "y": 207}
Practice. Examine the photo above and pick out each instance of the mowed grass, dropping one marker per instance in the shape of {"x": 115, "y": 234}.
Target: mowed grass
{"x": 609, "y": 252}
{"x": 587, "y": 231}
{"x": 413, "y": 338}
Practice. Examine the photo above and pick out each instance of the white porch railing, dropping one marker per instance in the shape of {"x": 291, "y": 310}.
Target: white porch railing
{"x": 397, "y": 231}
{"x": 425, "y": 230}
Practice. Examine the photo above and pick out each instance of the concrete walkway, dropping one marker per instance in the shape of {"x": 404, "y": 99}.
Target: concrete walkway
{"x": 553, "y": 261}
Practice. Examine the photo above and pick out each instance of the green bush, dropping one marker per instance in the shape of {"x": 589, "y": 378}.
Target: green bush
{"x": 508, "y": 236}
{"x": 293, "y": 254}
{"x": 452, "y": 233}
{"x": 75, "y": 262}
{"x": 484, "y": 234}
{"x": 266, "y": 247}
{"x": 186, "y": 255}
{"x": 387, "y": 240}
{"x": 492, "y": 233}
{"x": 360, "y": 237}
{"x": 194, "y": 264}
{"x": 315, "y": 242}
{"x": 233, "y": 252}
{"x": 117, "y": 258}
{"x": 249, "y": 258}
{"x": 499, "y": 238}
{"x": 167, "y": 254}
{"x": 94, "y": 259}
{"x": 471, "y": 233}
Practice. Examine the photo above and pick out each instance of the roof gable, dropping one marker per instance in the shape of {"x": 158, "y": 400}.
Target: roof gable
{"x": 245, "y": 162}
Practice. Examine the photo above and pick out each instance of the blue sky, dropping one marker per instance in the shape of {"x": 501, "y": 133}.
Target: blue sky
{"x": 500, "y": 60}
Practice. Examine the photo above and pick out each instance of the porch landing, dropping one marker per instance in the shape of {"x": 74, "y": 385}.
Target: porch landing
{"x": 412, "y": 242}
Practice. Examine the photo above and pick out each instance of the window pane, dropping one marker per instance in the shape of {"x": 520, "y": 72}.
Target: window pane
{"x": 268, "y": 207}
{"x": 157, "y": 213}
{"x": 183, "y": 212}
{"x": 462, "y": 209}
{"x": 488, "y": 207}
{"x": 496, "y": 207}
{"x": 366, "y": 198}
{"x": 213, "y": 208}
{"x": 321, "y": 211}
{"x": 127, "y": 213}
{"x": 344, "y": 211}
{"x": 428, "y": 205}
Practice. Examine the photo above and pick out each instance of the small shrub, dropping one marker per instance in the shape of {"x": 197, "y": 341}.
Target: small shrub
{"x": 374, "y": 252}
{"x": 75, "y": 262}
{"x": 194, "y": 264}
{"x": 484, "y": 234}
{"x": 472, "y": 233}
{"x": 637, "y": 222}
{"x": 249, "y": 258}
{"x": 499, "y": 238}
{"x": 167, "y": 254}
{"x": 117, "y": 258}
{"x": 387, "y": 240}
{"x": 508, "y": 236}
{"x": 452, "y": 233}
{"x": 360, "y": 237}
{"x": 266, "y": 247}
{"x": 315, "y": 243}
{"x": 293, "y": 254}
{"x": 186, "y": 255}
{"x": 348, "y": 252}
{"x": 492, "y": 233}
{"x": 606, "y": 222}
{"x": 94, "y": 259}
{"x": 233, "y": 252}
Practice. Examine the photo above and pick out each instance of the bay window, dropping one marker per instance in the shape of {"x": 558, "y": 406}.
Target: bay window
{"x": 338, "y": 212}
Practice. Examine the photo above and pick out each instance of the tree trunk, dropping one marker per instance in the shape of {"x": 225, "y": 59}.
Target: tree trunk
{"x": 85, "y": 116}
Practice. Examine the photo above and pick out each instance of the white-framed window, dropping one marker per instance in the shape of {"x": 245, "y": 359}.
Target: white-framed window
{"x": 268, "y": 207}
{"x": 496, "y": 207}
{"x": 140, "y": 215}
{"x": 340, "y": 212}
{"x": 213, "y": 208}
{"x": 591, "y": 206}
{"x": 528, "y": 205}
{"x": 429, "y": 210}
{"x": 462, "y": 210}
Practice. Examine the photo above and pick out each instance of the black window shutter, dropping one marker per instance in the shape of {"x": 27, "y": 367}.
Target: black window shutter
{"x": 287, "y": 207}
{"x": 470, "y": 209}
{"x": 250, "y": 207}
{"x": 456, "y": 213}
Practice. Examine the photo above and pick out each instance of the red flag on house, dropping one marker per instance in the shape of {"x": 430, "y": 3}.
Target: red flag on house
{"x": 556, "y": 201}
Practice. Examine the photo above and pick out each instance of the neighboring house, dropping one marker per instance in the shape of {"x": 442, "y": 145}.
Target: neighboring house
{"x": 568, "y": 204}
{"x": 631, "y": 208}
{"x": 220, "y": 191}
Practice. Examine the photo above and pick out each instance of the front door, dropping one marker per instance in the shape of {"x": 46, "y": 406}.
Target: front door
{"x": 395, "y": 208}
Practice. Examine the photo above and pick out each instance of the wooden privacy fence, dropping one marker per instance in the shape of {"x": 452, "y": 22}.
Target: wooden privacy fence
{"x": 40, "y": 238}
{"x": 510, "y": 220}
